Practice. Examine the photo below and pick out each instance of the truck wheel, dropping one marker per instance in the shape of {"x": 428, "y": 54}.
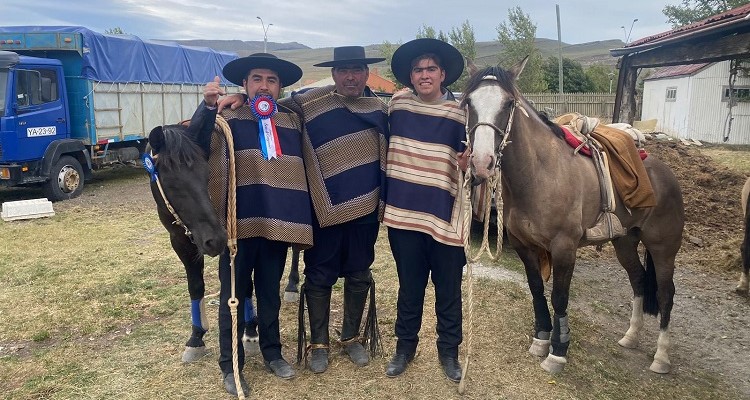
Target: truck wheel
{"x": 65, "y": 179}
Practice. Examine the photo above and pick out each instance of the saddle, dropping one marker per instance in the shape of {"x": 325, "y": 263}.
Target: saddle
{"x": 619, "y": 165}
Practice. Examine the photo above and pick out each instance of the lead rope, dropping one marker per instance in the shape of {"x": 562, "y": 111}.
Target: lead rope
{"x": 494, "y": 186}
{"x": 232, "y": 245}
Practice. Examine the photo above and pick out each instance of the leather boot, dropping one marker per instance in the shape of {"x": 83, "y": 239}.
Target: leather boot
{"x": 356, "y": 287}
{"x": 318, "y": 308}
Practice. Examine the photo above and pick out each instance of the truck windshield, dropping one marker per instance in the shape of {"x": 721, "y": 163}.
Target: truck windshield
{"x": 3, "y": 90}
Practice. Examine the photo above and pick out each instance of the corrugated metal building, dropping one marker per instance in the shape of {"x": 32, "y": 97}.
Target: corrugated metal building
{"x": 692, "y": 102}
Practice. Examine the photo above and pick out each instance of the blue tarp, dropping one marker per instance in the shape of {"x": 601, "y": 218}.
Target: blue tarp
{"x": 127, "y": 58}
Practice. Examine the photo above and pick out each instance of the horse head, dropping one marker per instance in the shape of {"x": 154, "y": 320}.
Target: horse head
{"x": 491, "y": 99}
{"x": 179, "y": 185}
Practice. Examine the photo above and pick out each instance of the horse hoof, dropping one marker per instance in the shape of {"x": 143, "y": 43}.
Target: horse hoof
{"x": 554, "y": 364}
{"x": 291, "y": 297}
{"x": 741, "y": 290}
{"x": 628, "y": 342}
{"x": 660, "y": 367}
{"x": 539, "y": 347}
{"x": 192, "y": 354}
{"x": 251, "y": 345}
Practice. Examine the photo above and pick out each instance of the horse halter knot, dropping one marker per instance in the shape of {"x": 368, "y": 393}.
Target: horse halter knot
{"x": 149, "y": 162}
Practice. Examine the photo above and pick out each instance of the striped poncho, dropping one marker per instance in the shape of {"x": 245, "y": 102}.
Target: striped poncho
{"x": 422, "y": 176}
{"x": 272, "y": 195}
{"x": 345, "y": 146}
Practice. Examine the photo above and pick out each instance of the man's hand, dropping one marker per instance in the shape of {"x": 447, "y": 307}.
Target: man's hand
{"x": 233, "y": 101}
{"x": 463, "y": 160}
{"x": 212, "y": 91}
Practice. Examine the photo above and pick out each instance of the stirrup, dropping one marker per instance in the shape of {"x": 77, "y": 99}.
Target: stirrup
{"x": 607, "y": 227}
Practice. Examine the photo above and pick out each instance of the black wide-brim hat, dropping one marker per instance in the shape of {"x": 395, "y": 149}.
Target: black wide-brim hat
{"x": 451, "y": 59}
{"x": 236, "y": 70}
{"x": 349, "y": 55}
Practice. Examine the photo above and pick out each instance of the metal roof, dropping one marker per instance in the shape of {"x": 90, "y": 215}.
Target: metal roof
{"x": 677, "y": 70}
{"x": 733, "y": 19}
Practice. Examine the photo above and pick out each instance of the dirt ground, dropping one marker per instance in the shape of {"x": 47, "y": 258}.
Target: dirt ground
{"x": 709, "y": 321}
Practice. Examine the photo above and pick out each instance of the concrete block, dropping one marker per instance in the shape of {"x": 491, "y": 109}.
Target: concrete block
{"x": 27, "y": 209}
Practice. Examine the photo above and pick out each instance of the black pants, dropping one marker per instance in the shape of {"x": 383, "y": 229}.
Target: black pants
{"x": 264, "y": 259}
{"x": 417, "y": 257}
{"x": 339, "y": 251}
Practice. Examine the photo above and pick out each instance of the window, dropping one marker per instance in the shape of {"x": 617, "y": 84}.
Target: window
{"x": 741, "y": 94}
{"x": 35, "y": 86}
{"x": 671, "y": 94}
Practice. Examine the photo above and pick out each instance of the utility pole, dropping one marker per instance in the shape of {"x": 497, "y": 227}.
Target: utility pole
{"x": 265, "y": 34}
{"x": 559, "y": 53}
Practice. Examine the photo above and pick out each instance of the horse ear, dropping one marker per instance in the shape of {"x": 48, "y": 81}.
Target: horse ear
{"x": 518, "y": 68}
{"x": 156, "y": 139}
{"x": 471, "y": 66}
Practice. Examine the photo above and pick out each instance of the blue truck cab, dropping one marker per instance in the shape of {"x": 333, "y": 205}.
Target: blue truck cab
{"x": 35, "y": 140}
{"x": 73, "y": 100}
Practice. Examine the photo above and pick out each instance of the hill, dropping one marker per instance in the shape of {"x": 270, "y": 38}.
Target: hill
{"x": 487, "y": 53}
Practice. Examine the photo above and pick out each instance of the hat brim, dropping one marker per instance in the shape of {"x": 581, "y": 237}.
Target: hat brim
{"x": 337, "y": 63}
{"x": 450, "y": 57}
{"x": 236, "y": 70}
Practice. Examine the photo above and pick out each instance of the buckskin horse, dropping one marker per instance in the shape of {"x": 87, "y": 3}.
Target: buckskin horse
{"x": 742, "y": 286}
{"x": 551, "y": 196}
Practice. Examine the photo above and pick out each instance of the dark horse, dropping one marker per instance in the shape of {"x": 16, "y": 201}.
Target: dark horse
{"x": 181, "y": 166}
{"x": 551, "y": 196}
{"x": 180, "y": 161}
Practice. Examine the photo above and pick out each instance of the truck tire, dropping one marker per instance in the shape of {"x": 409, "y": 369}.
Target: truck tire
{"x": 65, "y": 179}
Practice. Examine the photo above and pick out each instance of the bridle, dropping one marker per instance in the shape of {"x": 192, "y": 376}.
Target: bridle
{"x": 504, "y": 133}
{"x": 149, "y": 162}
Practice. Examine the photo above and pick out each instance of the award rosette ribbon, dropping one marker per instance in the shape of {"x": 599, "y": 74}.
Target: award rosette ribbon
{"x": 264, "y": 108}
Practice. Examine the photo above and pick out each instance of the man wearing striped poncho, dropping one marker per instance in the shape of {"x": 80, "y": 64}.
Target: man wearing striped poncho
{"x": 427, "y": 128}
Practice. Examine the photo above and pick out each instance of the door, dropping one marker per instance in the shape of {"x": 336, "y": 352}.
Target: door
{"x": 41, "y": 113}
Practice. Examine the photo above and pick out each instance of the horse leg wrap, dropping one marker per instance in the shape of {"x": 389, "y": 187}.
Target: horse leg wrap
{"x": 630, "y": 340}
{"x": 742, "y": 287}
{"x": 540, "y": 344}
{"x": 554, "y": 364}
{"x": 198, "y": 314}
{"x": 560, "y": 336}
{"x": 661, "y": 364}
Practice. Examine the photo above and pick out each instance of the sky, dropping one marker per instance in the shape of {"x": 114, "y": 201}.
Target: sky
{"x": 329, "y": 23}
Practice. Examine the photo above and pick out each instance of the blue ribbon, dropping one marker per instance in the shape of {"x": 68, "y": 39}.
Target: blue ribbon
{"x": 150, "y": 165}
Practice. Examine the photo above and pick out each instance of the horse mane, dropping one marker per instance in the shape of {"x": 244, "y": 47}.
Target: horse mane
{"x": 178, "y": 148}
{"x": 556, "y": 129}
{"x": 506, "y": 80}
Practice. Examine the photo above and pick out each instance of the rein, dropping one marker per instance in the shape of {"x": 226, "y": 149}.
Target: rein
{"x": 494, "y": 186}
{"x": 149, "y": 162}
{"x": 232, "y": 246}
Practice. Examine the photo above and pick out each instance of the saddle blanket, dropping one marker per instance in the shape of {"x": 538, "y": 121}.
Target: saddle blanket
{"x": 626, "y": 167}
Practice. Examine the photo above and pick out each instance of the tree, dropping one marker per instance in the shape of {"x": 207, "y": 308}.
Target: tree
{"x": 574, "y": 78}
{"x": 517, "y": 37}
{"x": 603, "y": 77}
{"x": 462, "y": 38}
{"x": 695, "y": 10}
{"x": 427, "y": 31}
{"x": 386, "y": 50}
{"x": 114, "y": 31}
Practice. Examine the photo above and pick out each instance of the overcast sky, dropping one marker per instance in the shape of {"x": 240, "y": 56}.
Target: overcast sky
{"x": 327, "y": 23}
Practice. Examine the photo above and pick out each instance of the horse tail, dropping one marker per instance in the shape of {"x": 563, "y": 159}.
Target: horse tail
{"x": 650, "y": 301}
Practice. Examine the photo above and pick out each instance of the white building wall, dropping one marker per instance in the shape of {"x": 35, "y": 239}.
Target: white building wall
{"x": 671, "y": 116}
{"x": 698, "y": 112}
